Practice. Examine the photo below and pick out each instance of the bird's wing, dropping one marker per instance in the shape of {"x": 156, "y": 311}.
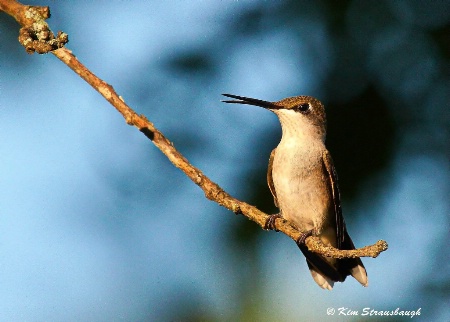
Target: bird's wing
{"x": 347, "y": 266}
{"x": 270, "y": 179}
{"x": 332, "y": 175}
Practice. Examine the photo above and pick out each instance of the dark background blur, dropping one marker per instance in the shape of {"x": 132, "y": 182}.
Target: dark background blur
{"x": 96, "y": 224}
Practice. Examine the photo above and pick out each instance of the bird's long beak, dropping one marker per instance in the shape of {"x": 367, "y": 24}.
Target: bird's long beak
{"x": 250, "y": 101}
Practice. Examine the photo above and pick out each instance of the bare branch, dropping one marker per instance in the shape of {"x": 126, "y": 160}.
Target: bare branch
{"x": 38, "y": 37}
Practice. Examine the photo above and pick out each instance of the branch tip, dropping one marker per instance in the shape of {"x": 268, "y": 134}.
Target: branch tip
{"x": 316, "y": 245}
{"x": 35, "y": 34}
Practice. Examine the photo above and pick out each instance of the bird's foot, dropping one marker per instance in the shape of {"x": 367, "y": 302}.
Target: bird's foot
{"x": 301, "y": 240}
{"x": 270, "y": 222}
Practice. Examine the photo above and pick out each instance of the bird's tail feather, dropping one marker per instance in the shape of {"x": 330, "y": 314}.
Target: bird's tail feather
{"x": 352, "y": 266}
{"x": 325, "y": 274}
{"x": 321, "y": 270}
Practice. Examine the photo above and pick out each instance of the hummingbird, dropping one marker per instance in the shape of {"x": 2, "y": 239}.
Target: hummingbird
{"x": 303, "y": 182}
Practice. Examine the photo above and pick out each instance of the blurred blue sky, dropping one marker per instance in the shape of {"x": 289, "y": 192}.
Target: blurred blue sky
{"x": 97, "y": 225}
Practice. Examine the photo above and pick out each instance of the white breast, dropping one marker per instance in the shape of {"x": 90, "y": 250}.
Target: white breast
{"x": 301, "y": 184}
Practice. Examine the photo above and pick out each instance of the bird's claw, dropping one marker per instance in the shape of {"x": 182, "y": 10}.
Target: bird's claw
{"x": 270, "y": 222}
{"x": 301, "y": 240}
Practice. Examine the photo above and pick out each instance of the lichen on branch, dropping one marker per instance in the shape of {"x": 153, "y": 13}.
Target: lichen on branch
{"x": 35, "y": 34}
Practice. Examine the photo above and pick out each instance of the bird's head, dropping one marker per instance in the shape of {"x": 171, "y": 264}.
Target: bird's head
{"x": 298, "y": 113}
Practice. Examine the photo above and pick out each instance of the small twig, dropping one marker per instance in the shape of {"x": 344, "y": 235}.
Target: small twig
{"x": 315, "y": 244}
{"x": 37, "y": 37}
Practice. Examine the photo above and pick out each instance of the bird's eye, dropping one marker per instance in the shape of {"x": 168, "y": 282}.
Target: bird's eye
{"x": 303, "y": 107}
